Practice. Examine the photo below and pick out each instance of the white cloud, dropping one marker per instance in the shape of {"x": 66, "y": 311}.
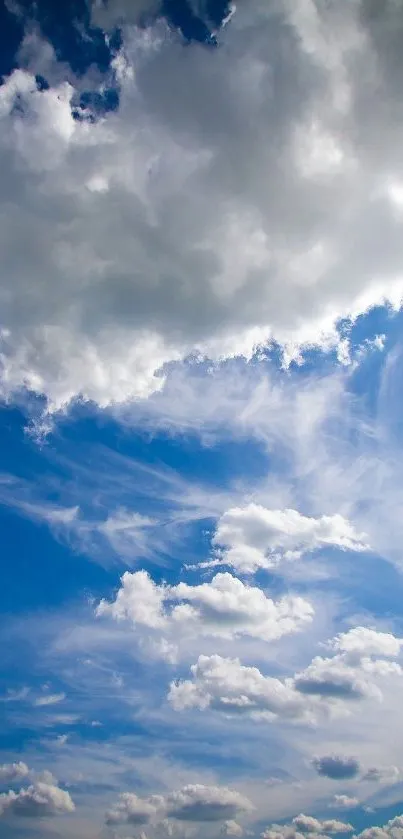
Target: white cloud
{"x": 326, "y": 685}
{"x": 363, "y": 642}
{"x": 382, "y": 774}
{"x": 393, "y": 829}
{"x": 185, "y": 248}
{"x": 252, "y": 537}
{"x": 306, "y": 826}
{"x": 10, "y": 772}
{"x": 37, "y": 800}
{"x": 358, "y": 668}
{"x": 191, "y": 803}
{"x": 224, "y": 607}
{"x": 49, "y": 699}
{"x": 197, "y": 802}
{"x": 131, "y": 809}
{"x": 231, "y": 828}
{"x": 226, "y": 685}
{"x": 344, "y": 802}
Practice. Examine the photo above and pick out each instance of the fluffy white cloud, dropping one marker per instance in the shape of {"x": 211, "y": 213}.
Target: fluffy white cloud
{"x": 356, "y": 669}
{"x": 363, "y": 642}
{"x": 37, "y": 800}
{"x": 131, "y": 809}
{"x": 308, "y": 824}
{"x": 236, "y": 194}
{"x": 13, "y": 772}
{"x": 231, "y": 828}
{"x": 191, "y": 803}
{"x": 327, "y": 684}
{"x": 252, "y": 537}
{"x": 196, "y": 802}
{"x": 345, "y": 802}
{"x": 226, "y": 685}
{"x": 306, "y": 827}
{"x": 223, "y": 607}
{"x": 393, "y": 829}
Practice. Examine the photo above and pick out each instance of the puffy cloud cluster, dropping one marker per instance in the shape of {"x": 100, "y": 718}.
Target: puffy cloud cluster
{"x": 252, "y": 537}
{"x": 192, "y": 803}
{"x": 235, "y": 195}
{"x": 226, "y": 685}
{"x": 224, "y": 607}
{"x": 393, "y": 829}
{"x": 303, "y": 827}
{"x": 306, "y": 827}
{"x": 13, "y": 772}
{"x": 345, "y": 802}
{"x": 37, "y": 800}
{"x": 360, "y": 662}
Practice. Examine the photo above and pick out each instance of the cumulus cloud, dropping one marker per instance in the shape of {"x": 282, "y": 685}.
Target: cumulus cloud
{"x": 131, "y": 809}
{"x": 224, "y": 607}
{"x": 14, "y": 772}
{"x": 356, "y": 669}
{"x": 10, "y": 772}
{"x": 231, "y": 828}
{"x": 308, "y": 824}
{"x": 157, "y": 230}
{"x": 191, "y": 803}
{"x": 37, "y": 800}
{"x": 363, "y": 642}
{"x": 306, "y": 827}
{"x": 393, "y": 829}
{"x": 326, "y": 685}
{"x": 252, "y": 537}
{"x": 197, "y": 802}
{"x": 337, "y": 767}
{"x": 345, "y": 802}
{"x": 226, "y": 685}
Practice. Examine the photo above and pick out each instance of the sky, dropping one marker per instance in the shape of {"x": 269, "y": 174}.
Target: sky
{"x": 201, "y": 419}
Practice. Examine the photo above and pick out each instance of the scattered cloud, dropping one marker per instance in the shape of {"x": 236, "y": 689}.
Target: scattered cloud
{"x": 326, "y": 685}
{"x": 336, "y": 767}
{"x": 255, "y": 537}
{"x": 391, "y": 830}
{"x": 36, "y": 801}
{"x": 224, "y": 607}
{"x": 49, "y": 699}
{"x": 344, "y": 802}
{"x": 192, "y": 803}
{"x": 382, "y": 774}
{"x": 10, "y": 772}
{"x": 306, "y": 826}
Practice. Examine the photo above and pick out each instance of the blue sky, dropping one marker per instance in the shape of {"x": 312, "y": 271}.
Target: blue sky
{"x": 201, "y": 420}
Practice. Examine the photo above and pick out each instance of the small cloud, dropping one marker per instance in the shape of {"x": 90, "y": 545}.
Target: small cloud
{"x": 336, "y": 767}
{"x": 344, "y": 802}
{"x": 38, "y": 800}
{"x": 49, "y": 699}
{"x": 13, "y": 772}
{"x": 382, "y": 774}
{"x": 15, "y": 695}
{"x": 61, "y": 739}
